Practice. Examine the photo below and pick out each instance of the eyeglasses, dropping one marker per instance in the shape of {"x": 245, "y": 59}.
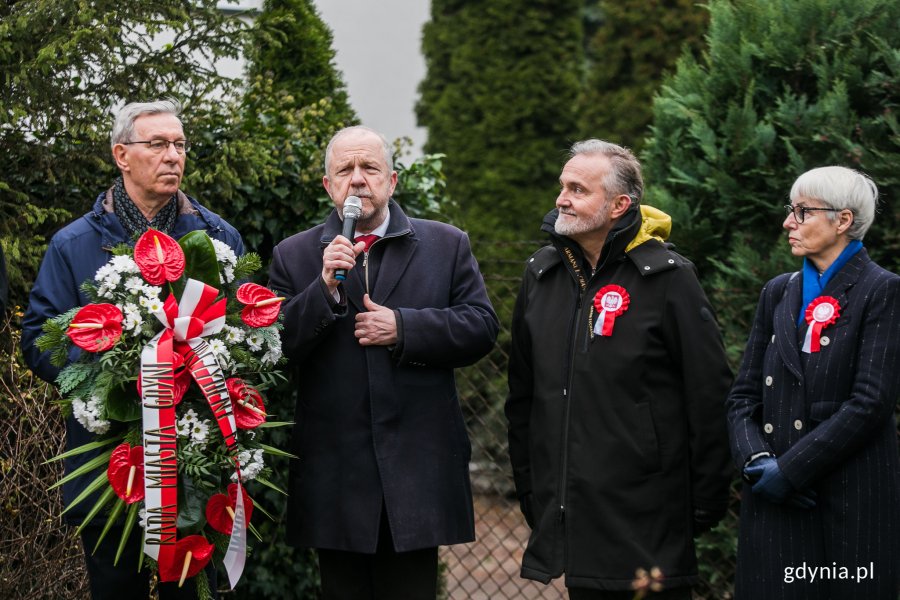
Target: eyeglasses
{"x": 799, "y": 212}
{"x": 158, "y": 146}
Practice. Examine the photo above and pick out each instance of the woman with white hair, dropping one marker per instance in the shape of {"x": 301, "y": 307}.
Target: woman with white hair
{"x": 811, "y": 413}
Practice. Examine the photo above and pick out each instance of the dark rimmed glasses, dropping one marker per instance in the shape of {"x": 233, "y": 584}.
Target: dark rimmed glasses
{"x": 158, "y": 146}
{"x": 799, "y": 212}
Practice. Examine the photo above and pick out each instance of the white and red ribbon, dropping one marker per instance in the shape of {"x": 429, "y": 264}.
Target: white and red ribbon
{"x": 821, "y": 312}
{"x": 610, "y": 302}
{"x": 197, "y": 315}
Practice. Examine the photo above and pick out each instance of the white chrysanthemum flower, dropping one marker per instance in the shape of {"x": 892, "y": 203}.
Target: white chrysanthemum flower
{"x": 233, "y": 335}
{"x": 224, "y": 253}
{"x": 152, "y": 291}
{"x": 88, "y": 414}
{"x": 182, "y": 428}
{"x": 218, "y": 347}
{"x": 252, "y": 464}
{"x": 199, "y": 432}
{"x": 112, "y": 279}
{"x": 142, "y": 516}
{"x": 229, "y": 274}
{"x": 255, "y": 341}
{"x": 154, "y": 305}
{"x": 271, "y": 357}
{"x": 123, "y": 264}
{"x": 106, "y": 291}
{"x": 103, "y": 272}
{"x": 189, "y": 417}
{"x": 134, "y": 285}
{"x": 132, "y": 322}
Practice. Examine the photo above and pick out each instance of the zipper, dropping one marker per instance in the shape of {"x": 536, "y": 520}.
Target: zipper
{"x": 366, "y": 268}
{"x": 567, "y": 398}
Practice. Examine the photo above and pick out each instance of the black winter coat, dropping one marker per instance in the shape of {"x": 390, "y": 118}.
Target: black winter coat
{"x": 376, "y": 425}
{"x": 828, "y": 417}
{"x": 619, "y": 438}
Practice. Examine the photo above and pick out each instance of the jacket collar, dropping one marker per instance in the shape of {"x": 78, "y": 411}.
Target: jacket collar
{"x": 102, "y": 219}
{"x": 616, "y": 241}
{"x": 788, "y": 338}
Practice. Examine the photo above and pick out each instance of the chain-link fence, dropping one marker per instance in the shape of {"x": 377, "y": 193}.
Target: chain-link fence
{"x": 489, "y": 567}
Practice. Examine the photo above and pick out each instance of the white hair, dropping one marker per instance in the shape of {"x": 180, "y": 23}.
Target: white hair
{"x": 123, "y": 128}
{"x": 841, "y": 188}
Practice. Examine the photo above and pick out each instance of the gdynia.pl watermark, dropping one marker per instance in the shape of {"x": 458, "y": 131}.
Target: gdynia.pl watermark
{"x": 807, "y": 573}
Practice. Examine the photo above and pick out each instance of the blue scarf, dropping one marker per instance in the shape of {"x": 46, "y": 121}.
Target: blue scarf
{"x": 814, "y": 284}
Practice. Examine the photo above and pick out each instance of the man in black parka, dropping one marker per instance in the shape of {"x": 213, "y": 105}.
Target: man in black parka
{"x": 382, "y": 478}
{"x": 617, "y": 382}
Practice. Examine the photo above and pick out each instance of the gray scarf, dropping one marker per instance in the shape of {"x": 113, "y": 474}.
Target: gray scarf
{"x": 134, "y": 221}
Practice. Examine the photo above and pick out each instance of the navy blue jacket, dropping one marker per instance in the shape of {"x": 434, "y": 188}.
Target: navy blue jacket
{"x": 828, "y": 417}
{"x": 373, "y": 424}
{"x": 75, "y": 253}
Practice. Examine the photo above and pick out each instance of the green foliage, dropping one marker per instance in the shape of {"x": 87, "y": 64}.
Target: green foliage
{"x": 781, "y": 88}
{"x": 630, "y": 45}
{"x": 293, "y": 48}
{"x": 498, "y": 99}
{"x": 422, "y": 189}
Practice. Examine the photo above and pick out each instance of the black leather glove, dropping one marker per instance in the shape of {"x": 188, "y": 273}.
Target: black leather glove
{"x": 527, "y": 509}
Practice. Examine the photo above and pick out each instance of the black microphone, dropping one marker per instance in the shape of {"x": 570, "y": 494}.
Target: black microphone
{"x": 352, "y": 210}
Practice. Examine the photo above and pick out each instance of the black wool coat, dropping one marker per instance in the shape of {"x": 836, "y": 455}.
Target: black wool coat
{"x": 376, "y": 424}
{"x": 618, "y": 438}
{"x": 828, "y": 417}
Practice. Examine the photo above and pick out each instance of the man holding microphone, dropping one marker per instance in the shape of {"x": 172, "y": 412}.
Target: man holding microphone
{"x": 375, "y": 327}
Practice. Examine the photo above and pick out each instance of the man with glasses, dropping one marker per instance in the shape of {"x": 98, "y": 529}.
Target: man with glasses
{"x": 149, "y": 148}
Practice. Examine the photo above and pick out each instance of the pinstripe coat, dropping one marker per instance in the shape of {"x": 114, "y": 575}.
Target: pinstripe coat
{"x": 828, "y": 417}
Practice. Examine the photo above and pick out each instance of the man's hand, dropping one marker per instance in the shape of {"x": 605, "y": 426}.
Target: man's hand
{"x": 339, "y": 254}
{"x": 378, "y": 326}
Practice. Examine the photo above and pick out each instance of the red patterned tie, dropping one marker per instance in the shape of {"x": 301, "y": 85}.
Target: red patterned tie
{"x": 369, "y": 239}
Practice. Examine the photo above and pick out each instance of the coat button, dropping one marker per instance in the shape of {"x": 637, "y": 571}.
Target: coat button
{"x": 773, "y": 338}
{"x": 824, "y": 340}
{"x": 798, "y": 424}
{"x": 769, "y": 380}
{"x": 531, "y": 259}
{"x": 646, "y": 268}
{"x": 671, "y": 261}
{"x": 768, "y": 428}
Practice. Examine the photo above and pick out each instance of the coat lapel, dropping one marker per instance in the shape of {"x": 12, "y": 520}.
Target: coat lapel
{"x": 785, "y": 326}
{"x": 399, "y": 246}
{"x": 846, "y": 278}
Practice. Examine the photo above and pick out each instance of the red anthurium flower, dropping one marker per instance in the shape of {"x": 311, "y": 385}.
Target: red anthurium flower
{"x": 220, "y": 509}
{"x": 246, "y": 404}
{"x": 262, "y": 305}
{"x": 159, "y": 257}
{"x": 191, "y": 555}
{"x": 96, "y": 327}
{"x": 126, "y": 472}
{"x": 182, "y": 382}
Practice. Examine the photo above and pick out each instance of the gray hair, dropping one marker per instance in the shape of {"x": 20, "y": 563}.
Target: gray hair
{"x": 841, "y": 188}
{"x": 625, "y": 175}
{"x": 386, "y": 146}
{"x": 123, "y": 128}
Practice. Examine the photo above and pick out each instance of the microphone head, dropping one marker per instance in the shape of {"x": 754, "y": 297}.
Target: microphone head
{"x": 352, "y": 207}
